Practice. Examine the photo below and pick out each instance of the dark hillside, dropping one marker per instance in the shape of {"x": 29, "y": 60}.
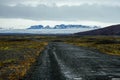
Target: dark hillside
{"x": 110, "y": 30}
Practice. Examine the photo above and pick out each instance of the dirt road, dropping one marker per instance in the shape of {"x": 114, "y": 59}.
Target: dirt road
{"x": 60, "y": 61}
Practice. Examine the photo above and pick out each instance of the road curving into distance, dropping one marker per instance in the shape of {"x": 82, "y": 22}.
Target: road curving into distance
{"x": 60, "y": 61}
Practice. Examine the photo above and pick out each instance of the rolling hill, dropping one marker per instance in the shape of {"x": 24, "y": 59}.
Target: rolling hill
{"x": 110, "y": 30}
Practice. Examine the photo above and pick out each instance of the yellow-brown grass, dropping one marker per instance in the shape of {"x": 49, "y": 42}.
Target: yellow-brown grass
{"x": 17, "y": 57}
{"x": 105, "y": 44}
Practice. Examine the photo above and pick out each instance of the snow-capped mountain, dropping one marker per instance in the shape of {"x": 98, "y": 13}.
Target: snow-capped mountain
{"x": 36, "y": 27}
{"x": 62, "y": 26}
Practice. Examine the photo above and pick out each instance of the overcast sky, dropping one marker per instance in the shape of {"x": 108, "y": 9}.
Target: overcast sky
{"x": 24, "y": 13}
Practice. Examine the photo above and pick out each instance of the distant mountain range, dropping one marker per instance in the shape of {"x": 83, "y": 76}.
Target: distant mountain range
{"x": 110, "y": 30}
{"x": 61, "y": 26}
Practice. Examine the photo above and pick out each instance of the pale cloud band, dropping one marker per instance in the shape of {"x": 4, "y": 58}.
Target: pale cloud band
{"x": 25, "y": 23}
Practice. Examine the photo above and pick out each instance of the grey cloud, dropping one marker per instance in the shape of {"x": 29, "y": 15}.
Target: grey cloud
{"x": 64, "y": 13}
{"x": 110, "y": 2}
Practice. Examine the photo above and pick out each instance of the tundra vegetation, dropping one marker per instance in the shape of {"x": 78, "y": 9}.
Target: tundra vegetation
{"x": 19, "y": 52}
{"x": 105, "y": 44}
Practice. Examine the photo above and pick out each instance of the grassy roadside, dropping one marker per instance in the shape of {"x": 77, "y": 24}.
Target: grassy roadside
{"x": 16, "y": 57}
{"x": 105, "y": 44}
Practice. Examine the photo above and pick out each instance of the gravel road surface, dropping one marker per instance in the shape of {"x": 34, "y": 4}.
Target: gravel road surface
{"x": 60, "y": 61}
